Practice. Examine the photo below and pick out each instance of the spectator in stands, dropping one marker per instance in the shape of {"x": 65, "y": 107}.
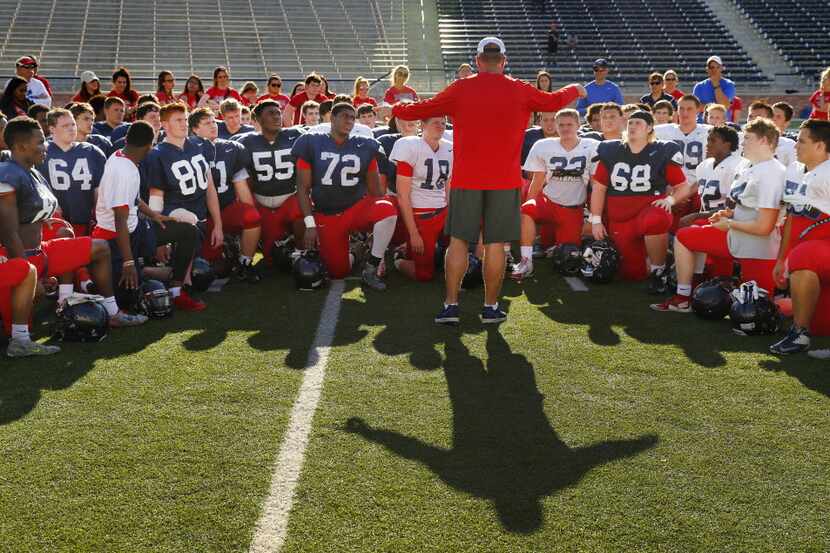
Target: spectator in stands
{"x": 220, "y": 91}
{"x": 600, "y": 90}
{"x": 656, "y": 92}
{"x": 246, "y": 117}
{"x": 90, "y": 86}
{"x": 274, "y": 92}
{"x": 544, "y": 82}
{"x": 298, "y": 88}
{"x": 820, "y": 100}
{"x": 553, "y": 40}
{"x": 164, "y": 88}
{"x": 361, "y": 93}
{"x": 249, "y": 93}
{"x": 716, "y": 89}
{"x": 736, "y": 108}
{"x": 97, "y": 103}
{"x": 464, "y": 70}
{"x": 14, "y": 102}
{"x": 782, "y": 115}
{"x": 366, "y": 115}
{"x": 663, "y": 112}
{"x": 37, "y": 87}
{"x": 311, "y": 113}
{"x": 326, "y": 90}
{"x": 194, "y": 90}
{"x": 122, "y": 87}
{"x": 3, "y": 123}
{"x": 313, "y": 91}
{"x": 671, "y": 80}
{"x": 38, "y": 113}
{"x": 399, "y": 91}
{"x": 231, "y": 124}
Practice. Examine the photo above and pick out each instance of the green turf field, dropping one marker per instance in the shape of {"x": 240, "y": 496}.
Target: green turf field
{"x": 584, "y": 423}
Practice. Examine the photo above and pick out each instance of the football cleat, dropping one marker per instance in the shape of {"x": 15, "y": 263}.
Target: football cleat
{"x": 371, "y": 278}
{"x": 657, "y": 282}
{"x": 676, "y": 303}
{"x": 797, "y": 340}
{"x": 27, "y": 348}
{"x": 522, "y": 269}
{"x": 186, "y": 302}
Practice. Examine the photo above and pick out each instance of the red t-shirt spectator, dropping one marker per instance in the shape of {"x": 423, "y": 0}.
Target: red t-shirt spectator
{"x": 299, "y": 99}
{"x": 130, "y": 97}
{"x": 820, "y": 111}
{"x": 487, "y": 137}
{"x": 358, "y": 101}
{"x": 677, "y": 94}
{"x": 735, "y": 106}
{"x": 218, "y": 94}
{"x": 281, "y": 99}
{"x": 394, "y": 95}
{"x": 190, "y": 99}
{"x": 164, "y": 99}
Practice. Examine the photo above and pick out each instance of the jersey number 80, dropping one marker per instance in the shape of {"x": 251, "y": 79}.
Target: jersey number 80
{"x": 191, "y": 174}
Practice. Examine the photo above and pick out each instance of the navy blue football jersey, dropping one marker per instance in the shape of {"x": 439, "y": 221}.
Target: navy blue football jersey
{"x": 73, "y": 177}
{"x": 182, "y": 173}
{"x": 532, "y": 136}
{"x": 639, "y": 174}
{"x": 270, "y": 165}
{"x": 386, "y": 167}
{"x": 380, "y": 131}
{"x": 102, "y": 142}
{"x": 35, "y": 202}
{"x": 226, "y": 134}
{"x": 338, "y": 172}
{"x": 113, "y": 133}
{"x": 227, "y": 160}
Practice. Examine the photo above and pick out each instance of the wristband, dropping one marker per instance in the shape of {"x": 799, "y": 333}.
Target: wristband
{"x": 129, "y": 263}
{"x": 671, "y": 200}
{"x": 309, "y": 221}
{"x": 595, "y": 219}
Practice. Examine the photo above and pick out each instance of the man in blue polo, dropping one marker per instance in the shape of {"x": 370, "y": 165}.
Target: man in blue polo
{"x": 716, "y": 89}
{"x": 600, "y": 90}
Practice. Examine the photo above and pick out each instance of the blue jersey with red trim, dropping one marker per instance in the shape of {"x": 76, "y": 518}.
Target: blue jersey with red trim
{"x": 73, "y": 176}
{"x": 270, "y": 165}
{"x": 227, "y": 164}
{"x": 182, "y": 173}
{"x": 35, "y": 202}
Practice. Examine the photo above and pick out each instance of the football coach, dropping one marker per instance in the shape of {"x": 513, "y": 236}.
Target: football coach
{"x": 489, "y": 112}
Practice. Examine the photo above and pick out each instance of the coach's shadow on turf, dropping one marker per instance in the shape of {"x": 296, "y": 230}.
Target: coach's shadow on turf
{"x": 504, "y": 447}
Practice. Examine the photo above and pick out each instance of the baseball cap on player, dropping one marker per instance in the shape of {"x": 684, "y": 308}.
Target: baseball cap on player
{"x": 89, "y": 76}
{"x": 489, "y": 42}
{"x": 715, "y": 59}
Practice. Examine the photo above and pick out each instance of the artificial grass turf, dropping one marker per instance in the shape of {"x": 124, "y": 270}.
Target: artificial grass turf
{"x": 585, "y": 423}
{"x": 160, "y": 438}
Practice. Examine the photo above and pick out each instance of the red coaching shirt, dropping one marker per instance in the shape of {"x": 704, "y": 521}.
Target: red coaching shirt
{"x": 490, "y": 113}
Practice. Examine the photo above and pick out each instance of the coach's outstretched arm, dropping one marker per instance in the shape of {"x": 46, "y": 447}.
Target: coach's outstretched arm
{"x": 443, "y": 103}
{"x": 539, "y": 100}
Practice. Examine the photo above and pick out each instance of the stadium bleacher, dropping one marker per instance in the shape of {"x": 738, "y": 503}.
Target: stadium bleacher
{"x": 799, "y": 29}
{"x": 638, "y": 37}
{"x": 340, "y": 39}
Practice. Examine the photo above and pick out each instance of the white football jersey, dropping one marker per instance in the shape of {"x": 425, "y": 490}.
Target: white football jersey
{"x": 759, "y": 186}
{"x": 785, "y": 152}
{"x": 715, "y": 182}
{"x": 567, "y": 172}
{"x": 693, "y": 145}
{"x": 807, "y": 193}
{"x": 431, "y": 170}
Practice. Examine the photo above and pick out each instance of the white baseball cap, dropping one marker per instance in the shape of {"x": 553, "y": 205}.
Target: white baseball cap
{"x": 715, "y": 59}
{"x": 491, "y": 40}
{"x": 89, "y": 76}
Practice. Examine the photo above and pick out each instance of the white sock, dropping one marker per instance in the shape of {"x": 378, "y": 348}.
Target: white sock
{"x": 85, "y": 286}
{"x": 176, "y": 291}
{"x": 527, "y": 252}
{"x": 65, "y": 290}
{"x": 684, "y": 290}
{"x": 494, "y": 306}
{"x": 382, "y": 234}
{"x": 244, "y": 260}
{"x": 21, "y": 332}
{"x": 658, "y": 267}
{"x": 700, "y": 263}
{"x": 111, "y": 305}
{"x": 449, "y": 304}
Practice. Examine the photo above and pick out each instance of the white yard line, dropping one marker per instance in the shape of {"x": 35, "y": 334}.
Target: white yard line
{"x": 273, "y": 523}
{"x": 576, "y": 284}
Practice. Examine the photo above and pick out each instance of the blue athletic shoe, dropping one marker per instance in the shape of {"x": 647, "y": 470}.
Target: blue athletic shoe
{"x": 492, "y": 316}
{"x": 449, "y": 315}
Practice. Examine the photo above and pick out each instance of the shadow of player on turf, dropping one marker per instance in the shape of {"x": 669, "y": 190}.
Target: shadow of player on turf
{"x": 504, "y": 447}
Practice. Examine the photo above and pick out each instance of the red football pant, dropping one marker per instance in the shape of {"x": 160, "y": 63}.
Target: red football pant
{"x": 430, "y": 229}
{"x": 713, "y": 242}
{"x": 276, "y": 223}
{"x": 716, "y": 266}
{"x": 814, "y": 256}
{"x": 12, "y": 273}
{"x": 565, "y": 222}
{"x": 236, "y": 217}
{"x": 628, "y": 236}
{"x": 333, "y": 230}
{"x": 546, "y": 231}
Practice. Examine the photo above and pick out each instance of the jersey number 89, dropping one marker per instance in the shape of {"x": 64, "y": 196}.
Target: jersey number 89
{"x": 635, "y": 179}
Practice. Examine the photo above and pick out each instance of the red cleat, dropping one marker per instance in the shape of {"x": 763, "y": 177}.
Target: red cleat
{"x": 187, "y": 303}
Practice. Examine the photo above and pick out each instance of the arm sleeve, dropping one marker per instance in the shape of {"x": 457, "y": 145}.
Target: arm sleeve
{"x": 155, "y": 172}
{"x": 442, "y": 103}
{"x": 99, "y": 163}
{"x": 302, "y": 150}
{"x": 674, "y": 174}
{"x": 539, "y": 100}
{"x": 728, "y": 88}
{"x": 582, "y": 105}
{"x": 405, "y": 169}
{"x": 601, "y": 174}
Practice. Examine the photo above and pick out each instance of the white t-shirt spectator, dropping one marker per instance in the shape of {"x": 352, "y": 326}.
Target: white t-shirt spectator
{"x": 36, "y": 93}
{"x": 567, "y": 172}
{"x": 120, "y": 186}
{"x": 756, "y": 187}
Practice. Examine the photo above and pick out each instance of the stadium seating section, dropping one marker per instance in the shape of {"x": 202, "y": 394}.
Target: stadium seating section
{"x": 341, "y": 38}
{"x": 800, "y": 29}
{"x": 637, "y": 37}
